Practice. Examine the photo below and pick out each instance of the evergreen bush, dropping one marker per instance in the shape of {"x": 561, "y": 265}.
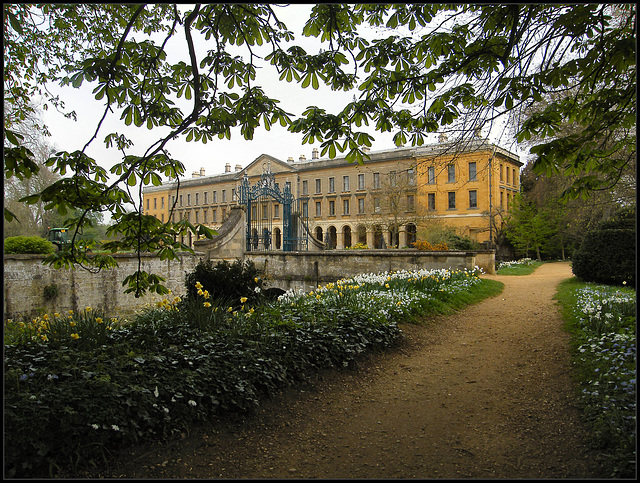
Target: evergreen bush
{"x": 27, "y": 244}
{"x": 608, "y": 254}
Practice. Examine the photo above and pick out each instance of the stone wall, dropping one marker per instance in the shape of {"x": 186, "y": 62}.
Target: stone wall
{"x": 305, "y": 271}
{"x": 25, "y": 279}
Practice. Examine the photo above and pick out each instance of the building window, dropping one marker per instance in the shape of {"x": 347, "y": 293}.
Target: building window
{"x": 188, "y": 200}
{"x": 265, "y": 211}
{"x": 318, "y": 208}
{"x": 345, "y": 207}
{"x": 318, "y": 186}
{"x": 332, "y": 185}
{"x": 411, "y": 176}
{"x": 332, "y": 208}
{"x": 224, "y": 196}
{"x": 155, "y": 203}
{"x": 204, "y": 216}
{"x": 180, "y": 200}
{"x": 411, "y": 203}
{"x": 162, "y": 202}
{"x": 501, "y": 199}
{"x": 392, "y": 178}
{"x": 305, "y": 187}
{"x": 451, "y": 173}
{"x": 197, "y": 213}
{"x": 162, "y": 217}
{"x": 376, "y": 205}
{"x": 472, "y": 172}
{"x": 287, "y": 186}
{"x": 233, "y": 194}
{"x": 431, "y": 201}
{"x": 473, "y": 199}
{"x": 205, "y": 197}
{"x": 431, "y": 175}
{"x": 508, "y": 175}
{"x": 501, "y": 173}
{"x": 215, "y": 197}
{"x": 345, "y": 183}
{"x": 305, "y": 209}
{"x": 214, "y": 216}
{"x": 452, "y": 200}
{"x": 147, "y": 203}
{"x": 515, "y": 178}
{"x": 276, "y": 210}
{"x": 376, "y": 181}
{"x": 361, "y": 206}
{"x": 361, "y": 181}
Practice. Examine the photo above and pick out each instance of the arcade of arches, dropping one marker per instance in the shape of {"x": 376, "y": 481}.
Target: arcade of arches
{"x": 374, "y": 237}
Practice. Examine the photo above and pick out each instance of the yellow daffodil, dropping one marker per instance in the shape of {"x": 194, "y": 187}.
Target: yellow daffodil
{"x": 98, "y": 320}
{"x": 56, "y": 314}
{"x": 200, "y": 292}
{"x": 75, "y": 336}
{"x": 243, "y": 300}
{"x": 207, "y": 304}
{"x": 198, "y": 285}
{"x": 88, "y": 309}
{"x": 206, "y": 294}
{"x": 72, "y": 323}
{"x": 44, "y": 338}
{"x": 45, "y": 316}
{"x": 230, "y": 309}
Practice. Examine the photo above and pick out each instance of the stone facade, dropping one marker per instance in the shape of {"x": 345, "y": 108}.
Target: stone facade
{"x": 348, "y": 203}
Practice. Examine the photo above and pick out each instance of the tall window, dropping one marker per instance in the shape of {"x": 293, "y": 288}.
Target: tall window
{"x": 318, "y": 185}
{"x": 431, "y": 175}
{"x": 188, "y": 200}
{"x": 472, "y": 172}
{"x": 376, "y": 205}
{"x": 197, "y": 197}
{"x": 155, "y": 203}
{"x": 305, "y": 187}
{"x": 215, "y": 197}
{"x": 452, "y": 200}
{"x": 305, "y": 209}
{"x": 376, "y": 181}
{"x": 361, "y": 206}
{"x": 332, "y": 185}
{"x": 318, "y": 208}
{"x": 224, "y": 196}
{"x": 411, "y": 176}
{"x": 345, "y": 207}
{"x": 361, "y": 181}
{"x": 345, "y": 183}
{"x": 332, "y": 208}
{"x": 180, "y": 200}
{"x": 392, "y": 178}
{"x": 205, "y": 197}
{"x": 214, "y": 216}
{"x": 451, "y": 173}
{"x": 431, "y": 201}
{"x": 204, "y": 216}
{"x": 411, "y": 203}
{"x": 276, "y": 210}
{"x": 473, "y": 199}
{"x": 162, "y": 202}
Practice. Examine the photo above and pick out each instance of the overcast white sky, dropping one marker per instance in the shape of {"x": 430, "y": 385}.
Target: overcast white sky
{"x": 73, "y": 135}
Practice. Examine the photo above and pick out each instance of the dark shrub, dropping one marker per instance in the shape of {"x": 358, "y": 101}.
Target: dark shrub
{"x": 608, "y": 254}
{"x": 226, "y": 281}
{"x": 28, "y": 244}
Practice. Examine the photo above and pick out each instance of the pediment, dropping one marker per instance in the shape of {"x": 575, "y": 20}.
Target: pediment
{"x": 264, "y": 162}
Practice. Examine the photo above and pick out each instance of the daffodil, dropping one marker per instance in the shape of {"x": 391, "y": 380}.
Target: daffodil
{"x": 98, "y": 320}
{"x": 72, "y": 323}
{"x": 198, "y": 285}
{"x": 243, "y": 300}
{"x": 207, "y": 304}
{"x": 75, "y": 336}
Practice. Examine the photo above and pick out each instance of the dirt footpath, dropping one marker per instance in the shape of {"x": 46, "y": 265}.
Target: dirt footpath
{"x": 485, "y": 393}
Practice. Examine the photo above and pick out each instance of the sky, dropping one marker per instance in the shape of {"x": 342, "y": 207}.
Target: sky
{"x": 72, "y": 135}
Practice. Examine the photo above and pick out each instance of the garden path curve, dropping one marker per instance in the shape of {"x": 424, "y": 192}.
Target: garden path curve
{"x": 484, "y": 393}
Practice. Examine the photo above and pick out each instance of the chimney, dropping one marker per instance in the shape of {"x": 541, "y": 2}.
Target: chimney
{"x": 442, "y": 138}
{"x": 195, "y": 174}
{"x": 302, "y": 157}
{"x": 227, "y": 168}
{"x": 290, "y": 159}
{"x": 238, "y": 167}
{"x": 202, "y": 172}
{"x": 315, "y": 154}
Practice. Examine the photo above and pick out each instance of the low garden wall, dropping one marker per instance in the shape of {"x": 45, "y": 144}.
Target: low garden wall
{"x": 307, "y": 270}
{"x": 32, "y": 288}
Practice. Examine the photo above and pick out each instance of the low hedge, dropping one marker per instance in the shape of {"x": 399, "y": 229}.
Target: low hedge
{"x": 27, "y": 244}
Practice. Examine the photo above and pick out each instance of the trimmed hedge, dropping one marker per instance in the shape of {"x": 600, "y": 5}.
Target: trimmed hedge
{"x": 607, "y": 255}
{"x": 27, "y": 244}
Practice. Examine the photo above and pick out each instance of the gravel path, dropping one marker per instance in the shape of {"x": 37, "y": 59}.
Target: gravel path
{"x": 485, "y": 393}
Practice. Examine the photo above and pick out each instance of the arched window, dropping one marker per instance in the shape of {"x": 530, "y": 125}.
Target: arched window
{"x": 332, "y": 237}
{"x": 411, "y": 234}
{"x": 319, "y": 233}
{"x": 346, "y": 236}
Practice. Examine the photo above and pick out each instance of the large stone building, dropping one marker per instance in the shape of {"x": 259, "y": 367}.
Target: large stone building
{"x": 394, "y": 198}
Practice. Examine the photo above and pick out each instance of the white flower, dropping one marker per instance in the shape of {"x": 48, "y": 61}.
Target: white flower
{"x": 95, "y": 426}
{"x": 156, "y": 392}
{"x": 192, "y": 402}
{"x": 115, "y": 428}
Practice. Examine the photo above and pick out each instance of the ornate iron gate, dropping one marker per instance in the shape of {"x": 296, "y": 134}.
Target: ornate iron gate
{"x": 275, "y": 219}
